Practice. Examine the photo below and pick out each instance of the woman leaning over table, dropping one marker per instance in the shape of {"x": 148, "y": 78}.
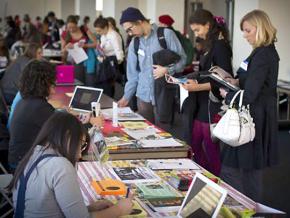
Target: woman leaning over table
{"x": 52, "y": 188}
{"x": 217, "y": 52}
{"x": 242, "y": 166}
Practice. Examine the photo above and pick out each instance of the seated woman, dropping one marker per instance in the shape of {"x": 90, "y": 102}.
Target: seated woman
{"x": 36, "y": 84}
{"x": 52, "y": 189}
{"x": 13, "y": 72}
{"x": 30, "y": 108}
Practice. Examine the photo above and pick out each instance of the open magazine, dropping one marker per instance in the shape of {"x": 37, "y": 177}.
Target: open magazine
{"x": 218, "y": 78}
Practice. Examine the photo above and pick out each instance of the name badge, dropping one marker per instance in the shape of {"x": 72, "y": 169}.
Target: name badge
{"x": 244, "y": 65}
{"x": 141, "y": 52}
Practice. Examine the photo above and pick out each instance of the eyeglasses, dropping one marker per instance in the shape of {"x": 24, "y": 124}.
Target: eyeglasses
{"x": 130, "y": 29}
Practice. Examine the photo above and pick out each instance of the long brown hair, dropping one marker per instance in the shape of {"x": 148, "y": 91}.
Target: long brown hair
{"x": 63, "y": 133}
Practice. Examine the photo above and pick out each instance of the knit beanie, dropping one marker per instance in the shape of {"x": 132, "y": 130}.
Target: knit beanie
{"x": 166, "y": 19}
{"x": 131, "y": 15}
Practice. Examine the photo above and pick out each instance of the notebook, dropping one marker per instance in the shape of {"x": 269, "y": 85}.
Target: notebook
{"x": 203, "y": 199}
{"x": 83, "y": 96}
{"x": 65, "y": 74}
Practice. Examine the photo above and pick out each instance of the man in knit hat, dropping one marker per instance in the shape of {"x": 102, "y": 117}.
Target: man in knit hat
{"x": 142, "y": 82}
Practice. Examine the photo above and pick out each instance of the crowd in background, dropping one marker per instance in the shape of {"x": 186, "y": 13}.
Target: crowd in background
{"x": 110, "y": 59}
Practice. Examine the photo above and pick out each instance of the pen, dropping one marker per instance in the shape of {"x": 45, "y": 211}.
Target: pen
{"x": 128, "y": 191}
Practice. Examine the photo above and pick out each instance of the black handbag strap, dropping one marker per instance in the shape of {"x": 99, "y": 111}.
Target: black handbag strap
{"x": 20, "y": 205}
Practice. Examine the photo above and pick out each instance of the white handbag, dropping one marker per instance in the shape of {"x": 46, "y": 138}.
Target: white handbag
{"x": 236, "y": 127}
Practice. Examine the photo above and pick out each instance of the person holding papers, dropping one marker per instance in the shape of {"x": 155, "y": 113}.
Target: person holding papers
{"x": 111, "y": 44}
{"x": 217, "y": 51}
{"x": 50, "y": 187}
{"x": 74, "y": 37}
{"x": 242, "y": 166}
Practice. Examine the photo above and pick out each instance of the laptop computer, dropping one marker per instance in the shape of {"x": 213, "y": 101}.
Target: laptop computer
{"x": 65, "y": 74}
{"x": 203, "y": 199}
{"x": 83, "y": 96}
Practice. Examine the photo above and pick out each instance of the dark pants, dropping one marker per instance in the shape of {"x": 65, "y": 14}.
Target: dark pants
{"x": 90, "y": 79}
{"x": 247, "y": 181}
{"x": 80, "y": 72}
{"x": 206, "y": 153}
{"x": 148, "y": 111}
{"x": 108, "y": 87}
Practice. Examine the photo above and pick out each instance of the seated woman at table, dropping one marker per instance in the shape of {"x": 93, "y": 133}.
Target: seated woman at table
{"x": 13, "y": 72}
{"x": 36, "y": 85}
{"x": 52, "y": 189}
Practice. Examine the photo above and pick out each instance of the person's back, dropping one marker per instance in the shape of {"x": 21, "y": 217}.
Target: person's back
{"x": 29, "y": 116}
{"x": 9, "y": 82}
{"x": 49, "y": 182}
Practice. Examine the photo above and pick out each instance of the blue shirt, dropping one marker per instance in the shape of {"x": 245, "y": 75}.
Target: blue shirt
{"x": 143, "y": 82}
{"x": 14, "y": 103}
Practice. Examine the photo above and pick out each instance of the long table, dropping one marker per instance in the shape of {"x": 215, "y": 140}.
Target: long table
{"x": 235, "y": 201}
{"x": 61, "y": 100}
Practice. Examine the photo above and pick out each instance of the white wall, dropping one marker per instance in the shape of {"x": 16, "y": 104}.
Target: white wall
{"x": 67, "y": 8}
{"x": 241, "y": 48}
{"x": 175, "y": 8}
{"x": 278, "y": 12}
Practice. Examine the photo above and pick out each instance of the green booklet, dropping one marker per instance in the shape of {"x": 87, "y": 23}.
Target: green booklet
{"x": 157, "y": 190}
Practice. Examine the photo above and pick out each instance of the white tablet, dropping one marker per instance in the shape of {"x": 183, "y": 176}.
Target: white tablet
{"x": 203, "y": 199}
{"x": 83, "y": 96}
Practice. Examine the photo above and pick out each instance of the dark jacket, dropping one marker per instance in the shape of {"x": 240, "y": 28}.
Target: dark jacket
{"x": 29, "y": 116}
{"x": 10, "y": 80}
{"x": 196, "y": 105}
{"x": 259, "y": 82}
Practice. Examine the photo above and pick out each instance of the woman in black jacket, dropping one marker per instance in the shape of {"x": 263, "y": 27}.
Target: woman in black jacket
{"x": 217, "y": 52}
{"x": 242, "y": 166}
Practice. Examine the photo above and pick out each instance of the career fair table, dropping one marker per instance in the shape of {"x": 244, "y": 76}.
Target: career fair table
{"x": 122, "y": 145}
{"x": 157, "y": 192}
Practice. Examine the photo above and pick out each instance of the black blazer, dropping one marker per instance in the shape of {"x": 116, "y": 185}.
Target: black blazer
{"x": 29, "y": 116}
{"x": 259, "y": 82}
{"x": 196, "y": 105}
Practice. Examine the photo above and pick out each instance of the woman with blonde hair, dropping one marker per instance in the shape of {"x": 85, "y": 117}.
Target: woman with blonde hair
{"x": 242, "y": 166}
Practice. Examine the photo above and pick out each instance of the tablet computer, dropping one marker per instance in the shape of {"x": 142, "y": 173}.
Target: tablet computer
{"x": 203, "y": 199}
{"x": 83, "y": 96}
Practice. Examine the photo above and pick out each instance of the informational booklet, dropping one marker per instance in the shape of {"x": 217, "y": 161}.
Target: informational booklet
{"x": 134, "y": 174}
{"x": 172, "y": 164}
{"x": 135, "y": 125}
{"x": 165, "y": 204}
{"x": 157, "y": 190}
{"x": 159, "y": 143}
{"x": 78, "y": 54}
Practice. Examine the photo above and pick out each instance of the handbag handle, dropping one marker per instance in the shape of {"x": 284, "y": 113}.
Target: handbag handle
{"x": 241, "y": 99}
{"x": 234, "y": 98}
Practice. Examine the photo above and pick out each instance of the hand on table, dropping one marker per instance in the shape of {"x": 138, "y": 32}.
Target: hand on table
{"x": 123, "y": 102}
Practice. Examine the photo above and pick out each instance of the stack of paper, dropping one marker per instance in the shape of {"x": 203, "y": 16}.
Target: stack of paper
{"x": 124, "y": 113}
{"x": 159, "y": 143}
{"x": 172, "y": 164}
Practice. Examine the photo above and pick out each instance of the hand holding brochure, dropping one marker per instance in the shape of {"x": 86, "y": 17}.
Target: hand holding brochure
{"x": 78, "y": 54}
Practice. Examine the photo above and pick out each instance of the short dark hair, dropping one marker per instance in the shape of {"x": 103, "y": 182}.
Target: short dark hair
{"x": 31, "y": 49}
{"x": 101, "y": 22}
{"x": 86, "y": 19}
{"x": 63, "y": 133}
{"x": 51, "y": 14}
{"x": 72, "y": 19}
{"x": 36, "y": 79}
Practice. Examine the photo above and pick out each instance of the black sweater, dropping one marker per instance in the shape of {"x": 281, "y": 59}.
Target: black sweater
{"x": 29, "y": 116}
